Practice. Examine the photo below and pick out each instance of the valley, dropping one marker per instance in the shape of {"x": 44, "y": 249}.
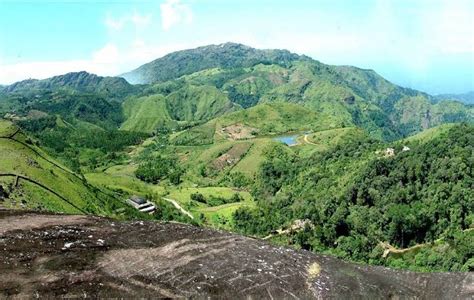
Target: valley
{"x": 251, "y": 141}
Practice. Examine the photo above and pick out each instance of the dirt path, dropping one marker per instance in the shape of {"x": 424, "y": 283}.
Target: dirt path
{"x": 176, "y": 204}
{"x": 389, "y": 249}
{"x": 307, "y": 141}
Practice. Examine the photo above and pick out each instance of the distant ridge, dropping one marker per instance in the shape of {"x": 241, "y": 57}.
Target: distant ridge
{"x": 467, "y": 98}
{"x": 228, "y": 55}
{"x": 76, "y": 81}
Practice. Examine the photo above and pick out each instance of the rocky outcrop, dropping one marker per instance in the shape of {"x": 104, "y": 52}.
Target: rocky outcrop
{"x": 75, "y": 256}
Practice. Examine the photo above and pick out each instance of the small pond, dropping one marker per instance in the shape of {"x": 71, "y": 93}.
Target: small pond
{"x": 290, "y": 140}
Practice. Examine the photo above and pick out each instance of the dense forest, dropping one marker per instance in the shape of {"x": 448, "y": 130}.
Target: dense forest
{"x": 416, "y": 197}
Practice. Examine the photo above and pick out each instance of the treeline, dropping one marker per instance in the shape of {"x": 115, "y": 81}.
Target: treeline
{"x": 80, "y": 145}
{"x": 215, "y": 200}
{"x": 159, "y": 167}
{"x": 356, "y": 199}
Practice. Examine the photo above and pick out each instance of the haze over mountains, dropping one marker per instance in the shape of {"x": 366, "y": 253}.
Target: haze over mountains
{"x": 467, "y": 98}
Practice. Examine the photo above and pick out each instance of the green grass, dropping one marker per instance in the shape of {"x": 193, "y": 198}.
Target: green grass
{"x": 216, "y": 216}
{"x": 275, "y": 118}
{"x": 199, "y": 135}
{"x": 183, "y": 195}
{"x": 429, "y": 134}
{"x": 31, "y": 162}
{"x": 250, "y": 164}
{"x": 121, "y": 179}
{"x": 188, "y": 105}
{"x": 324, "y": 140}
{"x": 145, "y": 114}
{"x": 7, "y": 128}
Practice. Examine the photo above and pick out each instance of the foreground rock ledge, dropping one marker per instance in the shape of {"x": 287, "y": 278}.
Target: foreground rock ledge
{"x": 45, "y": 255}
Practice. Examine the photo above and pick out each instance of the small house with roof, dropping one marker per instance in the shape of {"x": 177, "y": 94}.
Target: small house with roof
{"x": 141, "y": 204}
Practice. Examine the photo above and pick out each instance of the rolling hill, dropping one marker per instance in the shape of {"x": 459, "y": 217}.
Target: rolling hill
{"x": 187, "y": 106}
{"x": 206, "y": 82}
{"x": 229, "y": 55}
{"x": 345, "y": 95}
{"x": 260, "y": 120}
{"x": 467, "y": 98}
{"x": 34, "y": 180}
{"x": 82, "y": 82}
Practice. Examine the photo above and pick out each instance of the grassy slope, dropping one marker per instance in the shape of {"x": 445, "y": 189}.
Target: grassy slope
{"x": 276, "y": 118}
{"x": 31, "y": 162}
{"x": 429, "y": 134}
{"x": 188, "y": 105}
{"x": 324, "y": 140}
{"x": 144, "y": 114}
{"x": 198, "y": 103}
{"x": 266, "y": 119}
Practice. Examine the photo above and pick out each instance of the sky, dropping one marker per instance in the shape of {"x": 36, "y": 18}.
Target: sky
{"x": 423, "y": 44}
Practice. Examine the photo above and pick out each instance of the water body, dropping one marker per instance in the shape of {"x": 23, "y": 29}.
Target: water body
{"x": 290, "y": 140}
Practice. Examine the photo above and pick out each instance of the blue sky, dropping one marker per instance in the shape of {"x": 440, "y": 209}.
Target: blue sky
{"x": 425, "y": 44}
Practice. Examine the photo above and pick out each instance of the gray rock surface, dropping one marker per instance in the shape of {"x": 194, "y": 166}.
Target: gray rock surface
{"x": 45, "y": 255}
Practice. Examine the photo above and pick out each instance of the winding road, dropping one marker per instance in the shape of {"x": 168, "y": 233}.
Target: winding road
{"x": 176, "y": 204}
{"x": 307, "y": 141}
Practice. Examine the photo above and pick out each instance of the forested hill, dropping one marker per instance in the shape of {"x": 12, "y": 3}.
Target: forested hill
{"x": 359, "y": 200}
{"x": 348, "y": 96}
{"x": 226, "y": 56}
{"x": 190, "y": 87}
{"x": 83, "y": 82}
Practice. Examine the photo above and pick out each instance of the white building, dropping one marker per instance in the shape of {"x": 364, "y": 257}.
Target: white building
{"x": 141, "y": 204}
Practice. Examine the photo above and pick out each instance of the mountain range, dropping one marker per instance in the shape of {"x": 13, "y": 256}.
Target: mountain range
{"x": 233, "y": 76}
{"x": 266, "y": 143}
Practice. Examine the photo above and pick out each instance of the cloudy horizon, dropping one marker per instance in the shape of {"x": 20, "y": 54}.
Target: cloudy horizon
{"x": 427, "y": 45}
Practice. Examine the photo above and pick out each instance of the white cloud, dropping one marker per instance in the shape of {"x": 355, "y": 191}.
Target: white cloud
{"x": 452, "y": 27}
{"x": 114, "y": 24}
{"x": 136, "y": 19}
{"x": 105, "y": 61}
{"x": 40, "y": 69}
{"x": 140, "y": 20}
{"x": 173, "y": 12}
{"x": 107, "y": 55}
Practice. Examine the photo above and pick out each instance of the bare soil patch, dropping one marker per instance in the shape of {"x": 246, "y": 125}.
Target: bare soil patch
{"x": 239, "y": 132}
{"x": 231, "y": 157}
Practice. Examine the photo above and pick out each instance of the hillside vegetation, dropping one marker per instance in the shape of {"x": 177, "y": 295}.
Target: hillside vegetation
{"x": 342, "y": 95}
{"x": 333, "y": 159}
{"x": 355, "y": 197}
{"x": 32, "y": 179}
{"x": 82, "y": 82}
